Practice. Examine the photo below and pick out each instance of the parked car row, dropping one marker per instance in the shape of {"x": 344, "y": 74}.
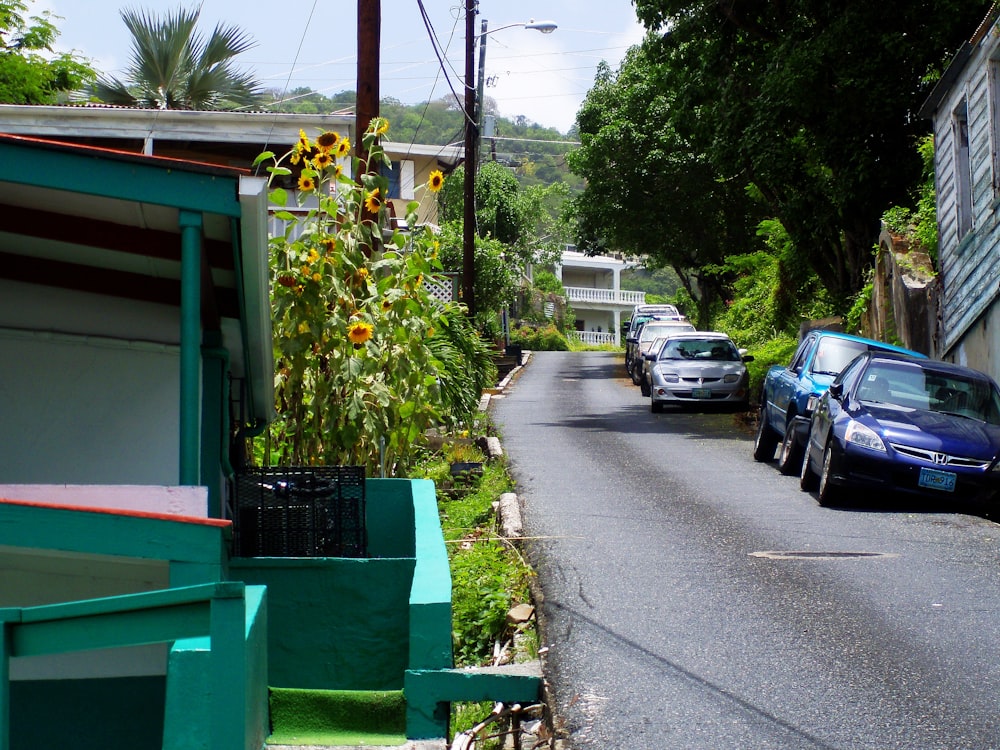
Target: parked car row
{"x": 675, "y": 364}
{"x": 888, "y": 419}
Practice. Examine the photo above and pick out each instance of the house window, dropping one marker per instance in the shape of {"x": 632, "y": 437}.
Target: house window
{"x": 400, "y": 176}
{"x": 993, "y": 78}
{"x": 963, "y": 167}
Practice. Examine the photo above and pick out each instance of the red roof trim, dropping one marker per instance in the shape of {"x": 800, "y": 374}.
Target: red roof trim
{"x": 197, "y": 520}
{"x": 126, "y": 155}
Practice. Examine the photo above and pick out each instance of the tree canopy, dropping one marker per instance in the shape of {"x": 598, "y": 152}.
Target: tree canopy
{"x": 173, "y": 67}
{"x": 27, "y": 76}
{"x": 808, "y": 108}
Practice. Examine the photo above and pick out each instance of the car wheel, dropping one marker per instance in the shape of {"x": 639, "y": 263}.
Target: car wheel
{"x": 807, "y": 477}
{"x": 645, "y": 388}
{"x": 828, "y": 491}
{"x": 656, "y": 406}
{"x": 635, "y": 375}
{"x": 766, "y": 440}
{"x": 790, "y": 455}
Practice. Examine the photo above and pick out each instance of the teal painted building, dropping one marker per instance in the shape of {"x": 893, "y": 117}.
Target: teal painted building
{"x": 134, "y": 302}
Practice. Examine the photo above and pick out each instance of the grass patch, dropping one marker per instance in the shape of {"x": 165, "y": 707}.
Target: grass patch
{"x": 337, "y": 717}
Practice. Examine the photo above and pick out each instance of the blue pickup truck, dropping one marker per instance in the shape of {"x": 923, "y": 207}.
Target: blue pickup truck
{"x": 789, "y": 393}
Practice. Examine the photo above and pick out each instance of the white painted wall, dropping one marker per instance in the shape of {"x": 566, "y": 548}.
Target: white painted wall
{"x": 89, "y": 389}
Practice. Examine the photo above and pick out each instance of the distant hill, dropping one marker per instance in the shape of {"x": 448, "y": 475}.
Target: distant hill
{"x": 534, "y": 152}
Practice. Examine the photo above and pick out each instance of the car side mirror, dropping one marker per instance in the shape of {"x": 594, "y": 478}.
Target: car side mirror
{"x": 632, "y": 339}
{"x": 837, "y": 391}
{"x": 747, "y": 358}
{"x": 649, "y": 356}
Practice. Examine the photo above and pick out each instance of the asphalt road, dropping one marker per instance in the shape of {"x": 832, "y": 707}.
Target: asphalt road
{"x": 694, "y": 598}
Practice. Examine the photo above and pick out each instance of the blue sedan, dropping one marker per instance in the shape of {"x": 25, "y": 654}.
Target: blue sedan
{"x": 895, "y": 423}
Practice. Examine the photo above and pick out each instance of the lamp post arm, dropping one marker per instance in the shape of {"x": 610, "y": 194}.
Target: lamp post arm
{"x": 480, "y": 87}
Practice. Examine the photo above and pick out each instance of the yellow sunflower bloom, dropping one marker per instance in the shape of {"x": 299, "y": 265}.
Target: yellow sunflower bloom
{"x": 374, "y": 201}
{"x": 328, "y": 140}
{"x": 338, "y": 170}
{"x": 344, "y": 147}
{"x": 322, "y": 160}
{"x": 359, "y": 332}
{"x": 435, "y": 181}
{"x": 317, "y": 277}
{"x": 380, "y": 125}
{"x": 363, "y": 273}
{"x": 386, "y": 305}
{"x": 307, "y": 184}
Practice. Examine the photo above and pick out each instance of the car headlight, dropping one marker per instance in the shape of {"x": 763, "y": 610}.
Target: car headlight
{"x": 731, "y": 377}
{"x": 669, "y": 377}
{"x": 858, "y": 434}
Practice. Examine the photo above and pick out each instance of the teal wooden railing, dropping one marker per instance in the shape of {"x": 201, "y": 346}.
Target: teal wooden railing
{"x": 215, "y": 610}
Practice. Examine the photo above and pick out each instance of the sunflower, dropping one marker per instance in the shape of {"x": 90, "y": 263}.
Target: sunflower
{"x": 374, "y": 200}
{"x": 380, "y": 125}
{"x": 322, "y": 160}
{"x": 359, "y": 332}
{"x": 435, "y": 181}
{"x": 328, "y": 140}
{"x": 344, "y": 147}
{"x": 386, "y": 304}
{"x": 307, "y": 184}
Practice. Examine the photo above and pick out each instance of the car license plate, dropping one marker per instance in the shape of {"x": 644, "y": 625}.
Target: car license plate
{"x": 701, "y": 393}
{"x": 937, "y": 480}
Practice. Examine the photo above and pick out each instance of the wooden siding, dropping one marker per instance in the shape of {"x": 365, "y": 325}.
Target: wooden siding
{"x": 970, "y": 265}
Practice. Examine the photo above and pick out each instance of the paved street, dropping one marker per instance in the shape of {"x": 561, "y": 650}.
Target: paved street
{"x": 697, "y": 599}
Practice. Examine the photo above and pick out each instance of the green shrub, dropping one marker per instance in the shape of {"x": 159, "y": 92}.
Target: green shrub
{"x": 776, "y": 351}
{"x": 547, "y": 338}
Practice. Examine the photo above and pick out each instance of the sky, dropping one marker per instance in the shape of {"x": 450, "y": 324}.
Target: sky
{"x": 312, "y": 43}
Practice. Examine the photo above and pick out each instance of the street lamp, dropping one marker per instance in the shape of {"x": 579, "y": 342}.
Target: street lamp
{"x": 473, "y": 115}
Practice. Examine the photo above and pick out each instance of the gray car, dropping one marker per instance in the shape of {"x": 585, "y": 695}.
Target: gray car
{"x": 702, "y": 367}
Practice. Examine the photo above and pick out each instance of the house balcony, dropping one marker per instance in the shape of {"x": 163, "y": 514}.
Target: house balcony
{"x": 610, "y": 297}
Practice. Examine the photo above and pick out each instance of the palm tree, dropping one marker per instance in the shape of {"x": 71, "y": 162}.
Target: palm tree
{"x": 173, "y": 68}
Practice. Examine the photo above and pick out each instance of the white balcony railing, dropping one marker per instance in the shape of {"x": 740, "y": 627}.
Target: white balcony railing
{"x": 604, "y": 296}
{"x": 593, "y": 338}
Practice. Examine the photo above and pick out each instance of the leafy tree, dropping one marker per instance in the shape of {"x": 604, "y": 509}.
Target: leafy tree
{"x": 27, "y": 76}
{"x": 173, "y": 67}
{"x": 814, "y": 104}
{"x": 650, "y": 190}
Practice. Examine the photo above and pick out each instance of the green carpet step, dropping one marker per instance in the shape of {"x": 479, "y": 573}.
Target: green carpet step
{"x": 337, "y": 718}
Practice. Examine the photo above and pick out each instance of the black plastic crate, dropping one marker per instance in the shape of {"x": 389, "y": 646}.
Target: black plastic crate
{"x": 308, "y": 511}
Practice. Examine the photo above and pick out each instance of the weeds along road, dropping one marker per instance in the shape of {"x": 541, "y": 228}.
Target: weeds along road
{"x": 696, "y": 599}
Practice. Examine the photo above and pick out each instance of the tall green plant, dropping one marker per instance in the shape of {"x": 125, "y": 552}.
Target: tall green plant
{"x": 358, "y": 381}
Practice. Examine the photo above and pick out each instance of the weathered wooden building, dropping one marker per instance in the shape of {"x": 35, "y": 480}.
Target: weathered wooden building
{"x": 965, "y": 110}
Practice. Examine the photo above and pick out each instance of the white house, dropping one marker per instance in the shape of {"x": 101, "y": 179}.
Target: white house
{"x": 965, "y": 110}
{"x": 593, "y": 289}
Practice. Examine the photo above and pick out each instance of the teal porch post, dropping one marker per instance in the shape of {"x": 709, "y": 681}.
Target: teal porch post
{"x": 190, "y": 396}
{"x": 214, "y": 420}
{"x": 229, "y": 667}
{"x": 7, "y": 616}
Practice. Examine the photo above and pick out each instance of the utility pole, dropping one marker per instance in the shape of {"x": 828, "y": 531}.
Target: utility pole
{"x": 471, "y": 157}
{"x": 367, "y": 108}
{"x": 369, "y": 35}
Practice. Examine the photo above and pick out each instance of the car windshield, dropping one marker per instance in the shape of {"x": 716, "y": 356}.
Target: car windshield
{"x": 930, "y": 390}
{"x": 834, "y": 354}
{"x": 656, "y": 330}
{"x": 713, "y": 350}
